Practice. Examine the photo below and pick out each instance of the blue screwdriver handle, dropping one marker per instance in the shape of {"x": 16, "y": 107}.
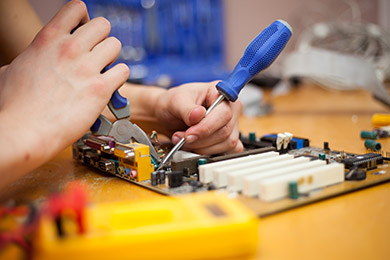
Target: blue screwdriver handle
{"x": 259, "y": 55}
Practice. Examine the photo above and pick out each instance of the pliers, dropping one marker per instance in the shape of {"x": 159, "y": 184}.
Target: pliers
{"x": 122, "y": 129}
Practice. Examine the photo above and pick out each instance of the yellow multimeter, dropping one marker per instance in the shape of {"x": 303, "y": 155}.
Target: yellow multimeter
{"x": 198, "y": 226}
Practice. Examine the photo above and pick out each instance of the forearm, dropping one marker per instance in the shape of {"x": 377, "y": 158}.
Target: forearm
{"x": 22, "y": 149}
{"x": 143, "y": 100}
{"x": 54, "y": 90}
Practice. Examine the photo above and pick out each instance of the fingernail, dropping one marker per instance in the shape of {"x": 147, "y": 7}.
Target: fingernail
{"x": 175, "y": 139}
{"x": 191, "y": 138}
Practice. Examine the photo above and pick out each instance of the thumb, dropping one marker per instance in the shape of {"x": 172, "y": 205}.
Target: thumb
{"x": 196, "y": 115}
{"x": 189, "y": 111}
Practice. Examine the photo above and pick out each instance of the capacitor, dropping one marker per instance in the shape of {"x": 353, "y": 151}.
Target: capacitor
{"x": 161, "y": 176}
{"x": 252, "y": 137}
{"x": 372, "y": 145}
{"x": 202, "y": 161}
{"x": 293, "y": 190}
{"x": 326, "y": 146}
{"x": 154, "y": 178}
{"x": 369, "y": 135}
{"x": 175, "y": 179}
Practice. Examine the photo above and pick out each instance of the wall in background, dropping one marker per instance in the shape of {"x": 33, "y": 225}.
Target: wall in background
{"x": 246, "y": 18}
{"x": 383, "y": 14}
{"x": 46, "y": 9}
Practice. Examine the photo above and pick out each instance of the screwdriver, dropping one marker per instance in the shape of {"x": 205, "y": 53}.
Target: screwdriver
{"x": 258, "y": 55}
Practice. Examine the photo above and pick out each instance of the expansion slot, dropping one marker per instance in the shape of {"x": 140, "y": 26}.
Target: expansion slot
{"x": 206, "y": 171}
{"x": 220, "y": 175}
{"x": 310, "y": 179}
{"x": 250, "y": 183}
{"x": 236, "y": 178}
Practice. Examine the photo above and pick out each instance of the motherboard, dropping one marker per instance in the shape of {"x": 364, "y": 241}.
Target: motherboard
{"x": 274, "y": 173}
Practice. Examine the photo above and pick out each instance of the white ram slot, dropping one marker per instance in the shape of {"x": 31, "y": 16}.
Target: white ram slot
{"x": 236, "y": 178}
{"x": 206, "y": 170}
{"x": 220, "y": 174}
{"x": 277, "y": 187}
{"x": 250, "y": 183}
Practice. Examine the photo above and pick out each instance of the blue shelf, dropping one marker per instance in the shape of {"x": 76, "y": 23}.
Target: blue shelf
{"x": 173, "y": 42}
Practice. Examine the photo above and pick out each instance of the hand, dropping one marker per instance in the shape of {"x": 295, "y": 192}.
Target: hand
{"x": 53, "y": 92}
{"x": 185, "y": 106}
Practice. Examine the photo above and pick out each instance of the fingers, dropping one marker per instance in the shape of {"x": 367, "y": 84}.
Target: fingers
{"x": 217, "y": 119}
{"x": 73, "y": 18}
{"x": 105, "y": 52}
{"x": 231, "y": 144}
{"x": 184, "y": 105}
{"x": 93, "y": 32}
{"x": 116, "y": 76}
{"x": 215, "y": 135}
{"x": 218, "y": 131}
{"x": 213, "y": 93}
{"x": 70, "y": 16}
{"x": 219, "y": 136}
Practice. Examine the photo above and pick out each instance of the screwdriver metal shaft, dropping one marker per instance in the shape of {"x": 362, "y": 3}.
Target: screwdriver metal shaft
{"x": 182, "y": 141}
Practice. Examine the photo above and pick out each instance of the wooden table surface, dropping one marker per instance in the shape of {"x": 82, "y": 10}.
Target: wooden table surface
{"x": 353, "y": 226}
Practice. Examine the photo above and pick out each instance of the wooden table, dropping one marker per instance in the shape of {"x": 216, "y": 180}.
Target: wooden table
{"x": 353, "y": 226}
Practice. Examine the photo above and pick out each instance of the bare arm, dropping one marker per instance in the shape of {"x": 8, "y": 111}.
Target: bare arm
{"x": 53, "y": 91}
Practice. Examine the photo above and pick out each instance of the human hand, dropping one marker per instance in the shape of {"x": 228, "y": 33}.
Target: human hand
{"x": 53, "y": 92}
{"x": 185, "y": 106}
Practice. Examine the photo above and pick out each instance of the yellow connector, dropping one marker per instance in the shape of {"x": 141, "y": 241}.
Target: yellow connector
{"x": 201, "y": 226}
{"x": 134, "y": 161}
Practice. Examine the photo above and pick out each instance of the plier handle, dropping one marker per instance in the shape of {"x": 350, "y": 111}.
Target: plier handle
{"x": 122, "y": 129}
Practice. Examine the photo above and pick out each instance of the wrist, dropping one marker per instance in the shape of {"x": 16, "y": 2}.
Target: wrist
{"x": 144, "y": 100}
{"x": 156, "y": 99}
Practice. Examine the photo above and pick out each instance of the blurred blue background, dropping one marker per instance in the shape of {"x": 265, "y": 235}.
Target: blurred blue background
{"x": 196, "y": 40}
{"x": 166, "y": 42}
